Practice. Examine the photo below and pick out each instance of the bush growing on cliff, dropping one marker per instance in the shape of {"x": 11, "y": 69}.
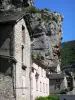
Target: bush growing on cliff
{"x": 50, "y": 97}
{"x": 31, "y": 9}
{"x": 43, "y": 12}
{"x": 34, "y": 10}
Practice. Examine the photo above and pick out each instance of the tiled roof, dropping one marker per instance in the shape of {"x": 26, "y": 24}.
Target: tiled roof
{"x": 10, "y": 16}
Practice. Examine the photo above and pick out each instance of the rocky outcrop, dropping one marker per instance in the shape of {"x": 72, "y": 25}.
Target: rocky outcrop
{"x": 6, "y": 5}
{"x": 46, "y": 36}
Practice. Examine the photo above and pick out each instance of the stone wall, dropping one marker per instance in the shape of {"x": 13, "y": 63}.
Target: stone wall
{"x": 53, "y": 85}
{"x": 6, "y": 84}
{"x": 22, "y": 75}
{"x": 6, "y": 88}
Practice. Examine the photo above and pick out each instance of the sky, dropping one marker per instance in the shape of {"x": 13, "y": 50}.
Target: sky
{"x": 67, "y": 9}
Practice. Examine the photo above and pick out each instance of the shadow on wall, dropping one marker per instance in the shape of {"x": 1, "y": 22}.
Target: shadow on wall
{"x": 5, "y": 66}
{"x": 5, "y": 48}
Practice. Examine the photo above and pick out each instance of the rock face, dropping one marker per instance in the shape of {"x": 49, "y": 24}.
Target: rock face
{"x": 6, "y": 88}
{"x": 11, "y": 4}
{"x": 46, "y": 36}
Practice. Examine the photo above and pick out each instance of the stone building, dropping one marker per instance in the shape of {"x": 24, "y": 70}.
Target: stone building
{"x": 56, "y": 79}
{"x": 14, "y": 57}
{"x": 39, "y": 80}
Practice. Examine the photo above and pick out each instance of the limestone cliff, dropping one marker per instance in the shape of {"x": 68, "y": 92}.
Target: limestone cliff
{"x": 6, "y": 5}
{"x": 46, "y": 29}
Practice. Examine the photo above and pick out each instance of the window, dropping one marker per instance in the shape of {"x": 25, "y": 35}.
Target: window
{"x": 38, "y": 69}
{"x": 40, "y": 87}
{"x": 22, "y": 53}
{"x": 23, "y": 85}
{"x": 31, "y": 83}
{"x": 31, "y": 97}
{"x": 57, "y": 80}
{"x": 32, "y": 69}
{"x": 45, "y": 74}
{"x": 41, "y": 72}
{"x": 23, "y": 34}
{"x": 36, "y": 85}
{"x": 44, "y": 87}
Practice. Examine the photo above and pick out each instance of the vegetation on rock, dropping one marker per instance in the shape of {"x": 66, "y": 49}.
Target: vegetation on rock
{"x": 43, "y": 13}
{"x": 63, "y": 91}
{"x": 50, "y": 97}
{"x": 45, "y": 27}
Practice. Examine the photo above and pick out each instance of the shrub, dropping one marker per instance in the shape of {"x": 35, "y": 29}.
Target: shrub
{"x": 63, "y": 91}
{"x": 33, "y": 10}
{"x": 30, "y": 9}
{"x": 38, "y": 57}
{"x": 50, "y": 97}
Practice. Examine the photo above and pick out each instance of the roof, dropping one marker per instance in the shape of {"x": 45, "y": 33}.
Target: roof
{"x": 8, "y": 58}
{"x": 11, "y": 16}
{"x": 39, "y": 63}
{"x": 55, "y": 76}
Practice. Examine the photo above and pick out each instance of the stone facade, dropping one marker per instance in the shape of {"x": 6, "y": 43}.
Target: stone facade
{"x": 14, "y": 60}
{"x": 56, "y": 84}
{"x": 56, "y": 79}
{"x": 6, "y": 88}
{"x": 22, "y": 76}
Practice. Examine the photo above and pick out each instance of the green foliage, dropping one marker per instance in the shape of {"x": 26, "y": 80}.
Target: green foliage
{"x": 63, "y": 91}
{"x": 67, "y": 53}
{"x": 46, "y": 18}
{"x": 51, "y": 17}
{"x": 38, "y": 57}
{"x": 44, "y": 15}
{"x": 33, "y": 10}
{"x": 50, "y": 97}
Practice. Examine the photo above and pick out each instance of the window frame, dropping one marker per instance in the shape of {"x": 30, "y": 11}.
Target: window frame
{"x": 23, "y": 34}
